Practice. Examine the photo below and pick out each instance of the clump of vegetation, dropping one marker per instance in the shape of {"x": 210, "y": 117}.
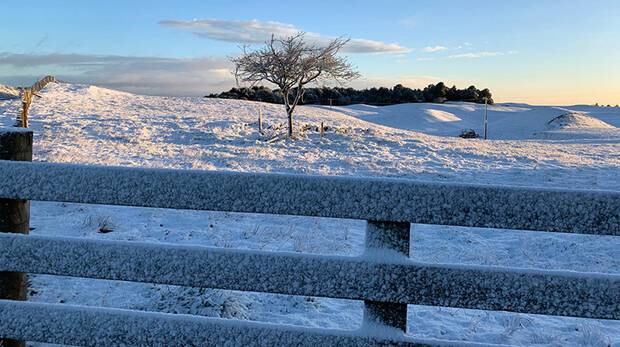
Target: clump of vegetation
{"x": 103, "y": 224}
{"x": 469, "y": 134}
{"x": 340, "y": 96}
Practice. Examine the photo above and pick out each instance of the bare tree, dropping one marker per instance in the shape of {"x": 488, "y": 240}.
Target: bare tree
{"x": 291, "y": 63}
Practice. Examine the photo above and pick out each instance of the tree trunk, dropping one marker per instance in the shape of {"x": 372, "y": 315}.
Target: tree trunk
{"x": 290, "y": 124}
{"x": 289, "y": 111}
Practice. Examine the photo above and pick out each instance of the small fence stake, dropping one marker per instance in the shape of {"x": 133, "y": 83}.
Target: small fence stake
{"x": 387, "y": 236}
{"x": 486, "y": 117}
{"x": 260, "y": 121}
{"x": 14, "y": 217}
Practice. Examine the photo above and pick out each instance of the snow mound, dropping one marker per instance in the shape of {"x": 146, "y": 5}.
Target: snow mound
{"x": 82, "y": 91}
{"x": 576, "y": 120}
{"x": 104, "y": 92}
{"x": 441, "y": 116}
{"x": 7, "y": 92}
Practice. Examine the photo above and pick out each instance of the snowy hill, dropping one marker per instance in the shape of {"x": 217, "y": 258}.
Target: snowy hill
{"x": 576, "y": 125}
{"x": 87, "y": 124}
{"x": 531, "y": 146}
{"x": 7, "y": 92}
{"x": 577, "y": 121}
{"x": 506, "y": 122}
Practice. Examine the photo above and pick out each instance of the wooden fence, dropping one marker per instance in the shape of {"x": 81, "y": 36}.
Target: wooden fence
{"x": 384, "y": 277}
{"x": 27, "y": 96}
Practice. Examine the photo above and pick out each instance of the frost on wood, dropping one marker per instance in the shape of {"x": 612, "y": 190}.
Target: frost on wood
{"x": 594, "y": 212}
{"x": 15, "y": 145}
{"x": 386, "y": 236}
{"x": 89, "y": 326}
{"x": 361, "y": 278}
{"x": 10, "y": 130}
{"x": 383, "y": 237}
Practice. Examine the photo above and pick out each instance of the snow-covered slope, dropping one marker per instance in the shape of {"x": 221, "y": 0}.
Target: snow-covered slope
{"x": 7, "y": 92}
{"x": 506, "y": 121}
{"x": 576, "y": 125}
{"x": 86, "y": 124}
{"x": 577, "y": 121}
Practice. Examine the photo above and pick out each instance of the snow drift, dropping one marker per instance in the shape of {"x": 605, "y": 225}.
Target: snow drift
{"x": 7, "y": 92}
{"x": 577, "y": 121}
{"x": 506, "y": 121}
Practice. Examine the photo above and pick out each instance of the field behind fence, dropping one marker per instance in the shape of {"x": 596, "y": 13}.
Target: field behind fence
{"x": 384, "y": 277}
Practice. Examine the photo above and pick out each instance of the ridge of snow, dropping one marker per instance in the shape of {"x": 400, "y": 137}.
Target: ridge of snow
{"x": 7, "y": 92}
{"x": 576, "y": 120}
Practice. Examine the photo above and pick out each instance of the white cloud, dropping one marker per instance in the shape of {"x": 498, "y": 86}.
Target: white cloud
{"x": 433, "y": 49}
{"x": 144, "y": 75}
{"x": 255, "y": 31}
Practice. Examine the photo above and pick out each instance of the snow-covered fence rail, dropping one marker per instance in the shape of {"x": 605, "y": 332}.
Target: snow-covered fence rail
{"x": 383, "y": 277}
{"x": 578, "y": 211}
{"x": 367, "y": 277}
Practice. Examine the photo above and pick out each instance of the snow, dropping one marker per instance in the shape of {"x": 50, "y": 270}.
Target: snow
{"x": 7, "y": 92}
{"x": 577, "y": 121}
{"x": 397, "y": 200}
{"x": 576, "y": 125}
{"x": 12, "y": 130}
{"x": 132, "y": 328}
{"x": 91, "y": 125}
{"x": 387, "y": 278}
{"x": 506, "y": 122}
{"x": 85, "y": 124}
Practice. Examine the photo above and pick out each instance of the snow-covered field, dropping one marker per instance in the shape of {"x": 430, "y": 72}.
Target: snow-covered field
{"x": 530, "y": 147}
{"x": 506, "y": 121}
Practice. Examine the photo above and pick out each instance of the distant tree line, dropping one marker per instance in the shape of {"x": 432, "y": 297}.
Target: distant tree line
{"x": 603, "y": 105}
{"x": 339, "y": 96}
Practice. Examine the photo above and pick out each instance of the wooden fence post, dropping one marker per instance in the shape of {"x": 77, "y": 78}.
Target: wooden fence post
{"x": 395, "y": 238}
{"x": 26, "y": 102}
{"x": 14, "y": 216}
{"x": 27, "y": 95}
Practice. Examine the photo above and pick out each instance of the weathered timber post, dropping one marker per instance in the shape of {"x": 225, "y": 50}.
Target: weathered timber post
{"x": 26, "y": 102}
{"x": 384, "y": 237}
{"x": 14, "y": 216}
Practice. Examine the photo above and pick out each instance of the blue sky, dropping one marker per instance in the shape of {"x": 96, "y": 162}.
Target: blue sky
{"x": 541, "y": 52}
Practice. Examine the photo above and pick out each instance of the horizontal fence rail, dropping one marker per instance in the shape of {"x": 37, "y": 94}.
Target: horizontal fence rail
{"x": 590, "y": 212}
{"x": 376, "y": 278}
{"x": 114, "y": 327}
{"x": 383, "y": 277}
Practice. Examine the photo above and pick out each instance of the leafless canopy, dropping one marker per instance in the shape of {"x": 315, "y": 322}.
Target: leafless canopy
{"x": 291, "y": 63}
